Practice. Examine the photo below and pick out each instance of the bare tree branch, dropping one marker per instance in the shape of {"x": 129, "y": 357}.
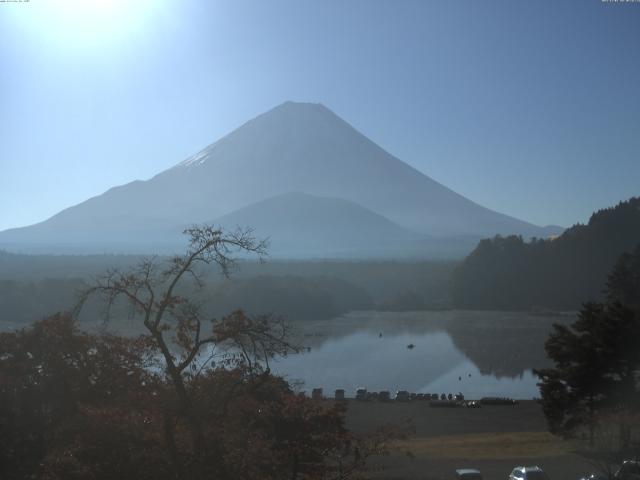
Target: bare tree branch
{"x": 150, "y": 292}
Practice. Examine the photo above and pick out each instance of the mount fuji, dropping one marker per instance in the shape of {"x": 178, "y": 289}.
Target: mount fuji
{"x": 294, "y": 147}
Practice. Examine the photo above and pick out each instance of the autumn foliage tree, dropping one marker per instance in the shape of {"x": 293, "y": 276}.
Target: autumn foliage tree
{"x": 192, "y": 397}
{"x": 177, "y": 329}
{"x": 75, "y": 406}
{"x": 52, "y": 374}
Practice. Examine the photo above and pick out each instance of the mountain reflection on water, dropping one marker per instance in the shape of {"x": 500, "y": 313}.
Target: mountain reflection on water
{"x": 476, "y": 353}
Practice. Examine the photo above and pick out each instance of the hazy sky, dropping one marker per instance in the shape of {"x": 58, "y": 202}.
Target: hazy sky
{"x": 531, "y": 108}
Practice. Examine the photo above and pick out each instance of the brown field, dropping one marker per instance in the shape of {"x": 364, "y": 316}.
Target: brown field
{"x": 493, "y": 439}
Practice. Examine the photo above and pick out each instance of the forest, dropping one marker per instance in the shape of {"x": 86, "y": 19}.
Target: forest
{"x": 509, "y": 273}
{"x": 33, "y": 286}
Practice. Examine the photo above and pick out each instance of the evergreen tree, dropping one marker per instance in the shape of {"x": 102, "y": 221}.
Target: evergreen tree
{"x": 597, "y": 358}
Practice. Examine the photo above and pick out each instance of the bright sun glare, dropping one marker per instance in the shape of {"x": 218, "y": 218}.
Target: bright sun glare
{"x": 82, "y": 23}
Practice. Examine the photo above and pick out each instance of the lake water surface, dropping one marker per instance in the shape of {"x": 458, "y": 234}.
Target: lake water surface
{"x": 476, "y": 353}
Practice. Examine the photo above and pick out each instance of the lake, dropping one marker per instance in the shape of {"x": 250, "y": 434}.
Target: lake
{"x": 476, "y": 353}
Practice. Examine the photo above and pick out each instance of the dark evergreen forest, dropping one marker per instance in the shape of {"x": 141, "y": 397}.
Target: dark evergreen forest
{"x": 555, "y": 273}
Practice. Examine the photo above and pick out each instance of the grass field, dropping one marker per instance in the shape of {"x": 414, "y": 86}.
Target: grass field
{"x": 488, "y": 446}
{"x": 493, "y": 439}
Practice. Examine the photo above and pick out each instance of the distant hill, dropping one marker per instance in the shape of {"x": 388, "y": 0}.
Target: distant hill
{"x": 298, "y": 147}
{"x": 303, "y": 225}
{"x": 34, "y": 286}
{"x": 509, "y": 273}
{"x": 294, "y": 297}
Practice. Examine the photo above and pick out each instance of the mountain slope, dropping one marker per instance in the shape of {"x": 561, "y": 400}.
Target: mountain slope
{"x": 293, "y": 147}
{"x": 303, "y": 225}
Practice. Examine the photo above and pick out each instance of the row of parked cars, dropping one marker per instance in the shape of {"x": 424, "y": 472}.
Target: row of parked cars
{"x": 363, "y": 394}
{"x": 403, "y": 396}
{"x": 454, "y": 400}
{"x": 629, "y": 470}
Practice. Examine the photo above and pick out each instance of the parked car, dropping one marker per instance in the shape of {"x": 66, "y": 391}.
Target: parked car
{"x": 468, "y": 474}
{"x": 384, "y": 396}
{"x": 528, "y": 473}
{"x": 361, "y": 394}
{"x": 630, "y": 470}
{"x": 402, "y": 396}
{"x": 472, "y": 404}
{"x": 339, "y": 394}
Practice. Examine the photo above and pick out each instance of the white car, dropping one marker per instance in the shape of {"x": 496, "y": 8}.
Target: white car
{"x": 468, "y": 474}
{"x": 528, "y": 473}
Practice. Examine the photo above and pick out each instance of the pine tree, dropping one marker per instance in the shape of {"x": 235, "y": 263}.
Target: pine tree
{"x": 597, "y": 358}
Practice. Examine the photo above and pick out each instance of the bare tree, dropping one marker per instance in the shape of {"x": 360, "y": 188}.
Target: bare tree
{"x": 176, "y": 323}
